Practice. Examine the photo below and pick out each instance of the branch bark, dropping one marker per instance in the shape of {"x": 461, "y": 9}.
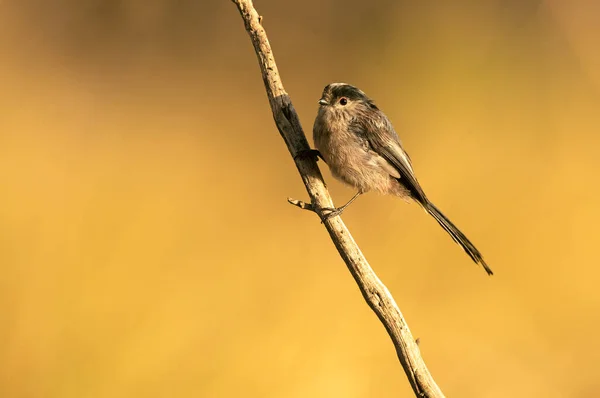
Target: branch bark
{"x": 373, "y": 290}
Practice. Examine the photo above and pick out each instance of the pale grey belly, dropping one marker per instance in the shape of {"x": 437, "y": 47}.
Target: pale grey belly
{"x": 352, "y": 162}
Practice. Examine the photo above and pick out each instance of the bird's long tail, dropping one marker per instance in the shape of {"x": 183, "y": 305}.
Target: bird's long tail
{"x": 458, "y": 236}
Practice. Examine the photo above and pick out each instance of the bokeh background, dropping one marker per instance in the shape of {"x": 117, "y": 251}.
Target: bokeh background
{"x": 147, "y": 248}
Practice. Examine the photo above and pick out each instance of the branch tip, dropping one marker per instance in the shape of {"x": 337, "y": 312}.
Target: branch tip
{"x": 301, "y": 204}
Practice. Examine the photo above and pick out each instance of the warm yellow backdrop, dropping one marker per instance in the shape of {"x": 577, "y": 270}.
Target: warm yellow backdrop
{"x": 147, "y": 248}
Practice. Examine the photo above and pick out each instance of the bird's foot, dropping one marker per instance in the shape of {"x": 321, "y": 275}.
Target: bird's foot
{"x": 329, "y": 212}
{"x": 309, "y": 154}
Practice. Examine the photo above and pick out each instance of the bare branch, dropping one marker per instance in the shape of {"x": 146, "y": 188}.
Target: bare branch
{"x": 301, "y": 204}
{"x": 373, "y": 290}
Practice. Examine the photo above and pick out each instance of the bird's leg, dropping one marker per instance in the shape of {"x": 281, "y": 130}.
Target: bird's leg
{"x": 332, "y": 212}
{"x": 309, "y": 153}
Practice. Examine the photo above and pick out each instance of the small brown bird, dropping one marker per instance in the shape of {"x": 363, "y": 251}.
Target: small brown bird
{"x": 360, "y": 146}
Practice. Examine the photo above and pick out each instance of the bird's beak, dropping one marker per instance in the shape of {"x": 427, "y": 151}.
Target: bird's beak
{"x": 323, "y": 101}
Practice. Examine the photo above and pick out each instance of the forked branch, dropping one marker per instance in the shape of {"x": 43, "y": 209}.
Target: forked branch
{"x": 373, "y": 290}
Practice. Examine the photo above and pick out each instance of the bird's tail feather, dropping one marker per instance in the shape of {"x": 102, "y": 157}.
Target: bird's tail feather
{"x": 458, "y": 236}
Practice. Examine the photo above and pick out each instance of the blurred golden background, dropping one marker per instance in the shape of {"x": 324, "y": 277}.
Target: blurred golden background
{"x": 147, "y": 248}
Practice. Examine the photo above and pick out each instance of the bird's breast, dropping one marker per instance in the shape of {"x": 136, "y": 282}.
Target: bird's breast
{"x": 351, "y": 161}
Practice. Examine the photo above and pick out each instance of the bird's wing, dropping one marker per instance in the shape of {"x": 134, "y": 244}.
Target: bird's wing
{"x": 383, "y": 140}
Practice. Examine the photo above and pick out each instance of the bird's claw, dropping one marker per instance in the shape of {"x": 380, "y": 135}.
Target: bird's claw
{"x": 309, "y": 154}
{"x": 330, "y": 212}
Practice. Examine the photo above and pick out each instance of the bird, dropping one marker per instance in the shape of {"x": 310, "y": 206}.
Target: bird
{"x": 361, "y": 148}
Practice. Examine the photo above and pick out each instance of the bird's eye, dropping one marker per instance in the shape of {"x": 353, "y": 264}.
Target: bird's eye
{"x": 343, "y": 101}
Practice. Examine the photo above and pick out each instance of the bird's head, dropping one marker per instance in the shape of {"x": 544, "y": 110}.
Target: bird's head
{"x": 343, "y": 98}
